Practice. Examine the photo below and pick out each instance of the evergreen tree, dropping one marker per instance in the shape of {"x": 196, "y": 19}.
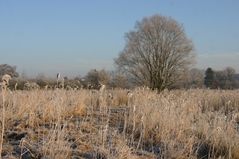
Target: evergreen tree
{"x": 209, "y": 78}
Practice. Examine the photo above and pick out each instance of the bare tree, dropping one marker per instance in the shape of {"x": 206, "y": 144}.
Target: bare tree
{"x": 156, "y": 52}
{"x": 104, "y": 77}
{"x": 96, "y": 78}
{"x": 196, "y": 78}
{"x": 225, "y": 79}
{"x": 230, "y": 73}
{"x": 119, "y": 80}
{"x": 193, "y": 78}
{"x": 7, "y": 69}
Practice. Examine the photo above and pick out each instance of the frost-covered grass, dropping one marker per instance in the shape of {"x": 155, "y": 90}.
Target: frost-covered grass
{"x": 112, "y": 124}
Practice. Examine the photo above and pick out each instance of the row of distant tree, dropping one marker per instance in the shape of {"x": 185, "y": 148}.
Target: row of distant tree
{"x": 93, "y": 79}
{"x": 195, "y": 78}
{"x": 225, "y": 79}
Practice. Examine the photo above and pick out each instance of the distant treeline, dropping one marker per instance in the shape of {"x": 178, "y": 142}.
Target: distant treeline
{"x": 194, "y": 78}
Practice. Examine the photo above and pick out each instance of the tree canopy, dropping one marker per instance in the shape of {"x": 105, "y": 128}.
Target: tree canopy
{"x": 156, "y": 52}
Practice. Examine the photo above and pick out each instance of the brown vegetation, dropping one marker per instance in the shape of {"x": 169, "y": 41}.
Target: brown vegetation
{"x": 92, "y": 124}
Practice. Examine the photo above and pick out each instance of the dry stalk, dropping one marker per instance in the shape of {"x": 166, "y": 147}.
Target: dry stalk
{"x": 141, "y": 132}
{"x": 58, "y": 76}
{"x": 134, "y": 123}
{"x": 4, "y": 84}
{"x": 125, "y": 122}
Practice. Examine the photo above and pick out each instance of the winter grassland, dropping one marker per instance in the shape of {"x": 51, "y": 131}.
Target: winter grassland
{"x": 60, "y": 124}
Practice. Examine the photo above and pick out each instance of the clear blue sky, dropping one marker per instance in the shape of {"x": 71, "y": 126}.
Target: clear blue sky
{"x": 74, "y": 36}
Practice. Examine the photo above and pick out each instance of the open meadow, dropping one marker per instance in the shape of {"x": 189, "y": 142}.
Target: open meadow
{"x": 119, "y": 79}
{"x": 61, "y": 124}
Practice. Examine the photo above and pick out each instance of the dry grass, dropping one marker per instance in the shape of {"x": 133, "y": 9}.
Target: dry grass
{"x": 89, "y": 124}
